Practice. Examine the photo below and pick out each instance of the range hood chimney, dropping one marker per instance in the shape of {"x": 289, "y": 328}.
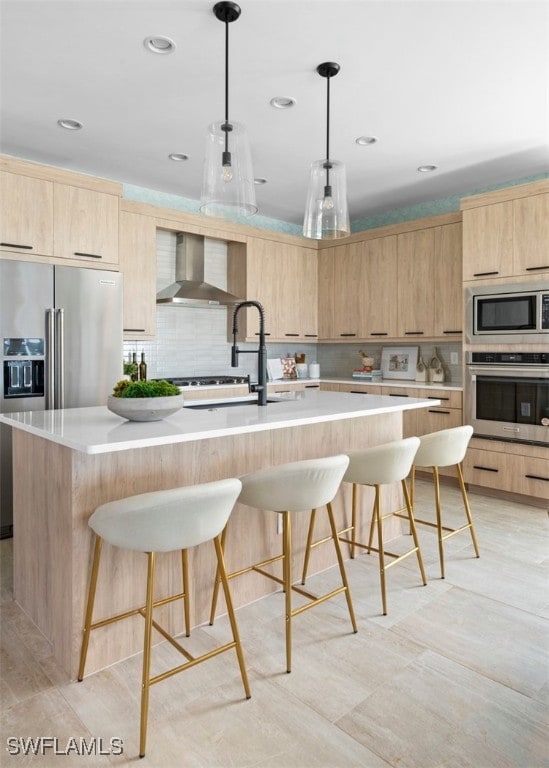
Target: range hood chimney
{"x": 189, "y": 288}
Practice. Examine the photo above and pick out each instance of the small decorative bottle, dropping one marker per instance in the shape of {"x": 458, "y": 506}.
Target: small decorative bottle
{"x": 135, "y": 371}
{"x": 143, "y": 368}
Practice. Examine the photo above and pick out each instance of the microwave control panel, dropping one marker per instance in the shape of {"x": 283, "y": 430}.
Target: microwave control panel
{"x": 545, "y": 312}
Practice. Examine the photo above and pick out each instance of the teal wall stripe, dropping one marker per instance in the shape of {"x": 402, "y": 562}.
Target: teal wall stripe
{"x": 396, "y": 216}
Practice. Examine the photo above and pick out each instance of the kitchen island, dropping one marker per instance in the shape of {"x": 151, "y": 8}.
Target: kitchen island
{"x": 68, "y": 462}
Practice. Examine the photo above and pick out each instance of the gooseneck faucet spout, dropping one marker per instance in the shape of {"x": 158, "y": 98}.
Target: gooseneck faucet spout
{"x": 261, "y": 352}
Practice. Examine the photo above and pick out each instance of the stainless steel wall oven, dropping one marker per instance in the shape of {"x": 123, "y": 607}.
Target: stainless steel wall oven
{"x": 507, "y": 395}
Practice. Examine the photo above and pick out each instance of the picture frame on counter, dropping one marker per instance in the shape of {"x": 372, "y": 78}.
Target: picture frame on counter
{"x": 399, "y": 362}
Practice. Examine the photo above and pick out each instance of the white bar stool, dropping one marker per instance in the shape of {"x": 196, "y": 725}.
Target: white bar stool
{"x": 287, "y": 488}
{"x": 380, "y": 465}
{"x": 164, "y": 521}
{"x": 445, "y": 448}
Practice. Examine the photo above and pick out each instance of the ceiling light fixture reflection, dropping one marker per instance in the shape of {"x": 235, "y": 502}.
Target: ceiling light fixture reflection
{"x": 178, "y": 157}
{"x": 159, "y": 44}
{"x": 260, "y": 181}
{"x": 282, "y": 102}
{"x": 427, "y": 168}
{"x": 366, "y": 141}
{"x": 326, "y": 212}
{"x": 70, "y": 125}
{"x": 228, "y": 182}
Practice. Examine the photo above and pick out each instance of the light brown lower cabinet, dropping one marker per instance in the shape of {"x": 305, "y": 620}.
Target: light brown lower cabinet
{"x": 511, "y": 467}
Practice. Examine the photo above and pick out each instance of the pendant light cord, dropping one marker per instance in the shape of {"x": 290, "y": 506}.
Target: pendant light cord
{"x": 226, "y": 86}
{"x": 328, "y": 131}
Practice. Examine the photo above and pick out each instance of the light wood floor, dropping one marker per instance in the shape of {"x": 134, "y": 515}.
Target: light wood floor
{"x": 455, "y": 676}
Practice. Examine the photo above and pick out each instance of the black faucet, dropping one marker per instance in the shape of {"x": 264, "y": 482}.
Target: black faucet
{"x": 261, "y": 352}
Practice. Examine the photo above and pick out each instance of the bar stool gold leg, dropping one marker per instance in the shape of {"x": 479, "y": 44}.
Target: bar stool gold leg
{"x": 341, "y": 567}
{"x": 230, "y": 610}
{"x": 89, "y": 607}
{"x": 465, "y": 498}
{"x": 186, "y": 599}
{"x": 353, "y": 519}
{"x": 379, "y": 521}
{"x": 413, "y": 530}
{"x": 217, "y": 581}
{"x": 372, "y": 526}
{"x": 308, "y": 545}
{"x": 436, "y": 483}
{"x": 147, "y": 654}
{"x": 287, "y": 578}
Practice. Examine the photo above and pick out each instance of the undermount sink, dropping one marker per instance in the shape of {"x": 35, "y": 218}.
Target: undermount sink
{"x": 224, "y": 404}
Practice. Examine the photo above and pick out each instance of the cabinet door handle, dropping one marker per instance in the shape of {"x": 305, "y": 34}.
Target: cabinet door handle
{"x": 375, "y": 333}
{"x": 393, "y": 394}
{"x": 347, "y": 334}
{"x": 485, "y": 469}
{"x": 134, "y": 330}
{"x": 434, "y": 397}
{"x": 16, "y": 245}
{"x": 257, "y": 334}
{"x": 537, "y": 477}
{"x": 414, "y": 333}
{"x": 311, "y": 335}
{"x": 357, "y": 392}
{"x": 312, "y": 386}
{"x": 432, "y": 410}
{"x": 291, "y": 334}
{"x": 449, "y": 332}
{"x": 485, "y": 274}
{"x": 90, "y": 255}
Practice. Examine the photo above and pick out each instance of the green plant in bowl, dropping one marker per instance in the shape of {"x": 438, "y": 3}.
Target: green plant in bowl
{"x": 125, "y": 388}
{"x": 145, "y": 400}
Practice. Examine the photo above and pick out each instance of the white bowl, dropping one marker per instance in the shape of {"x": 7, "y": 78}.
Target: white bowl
{"x": 145, "y": 408}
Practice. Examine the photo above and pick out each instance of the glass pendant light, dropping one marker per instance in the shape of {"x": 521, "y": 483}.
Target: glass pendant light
{"x": 228, "y": 185}
{"x": 326, "y": 212}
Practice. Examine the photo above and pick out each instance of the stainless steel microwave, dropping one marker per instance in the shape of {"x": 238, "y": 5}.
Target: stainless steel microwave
{"x": 508, "y": 314}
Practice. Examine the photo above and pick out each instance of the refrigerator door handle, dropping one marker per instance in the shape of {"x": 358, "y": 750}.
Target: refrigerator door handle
{"x": 59, "y": 358}
{"x": 50, "y": 359}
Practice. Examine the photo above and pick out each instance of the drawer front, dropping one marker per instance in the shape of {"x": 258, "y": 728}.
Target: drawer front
{"x": 507, "y": 472}
{"x": 532, "y": 477}
{"x": 448, "y": 398}
{"x": 488, "y": 469}
{"x": 437, "y": 418}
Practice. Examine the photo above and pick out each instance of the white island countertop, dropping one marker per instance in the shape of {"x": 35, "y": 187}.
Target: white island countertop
{"x": 96, "y": 430}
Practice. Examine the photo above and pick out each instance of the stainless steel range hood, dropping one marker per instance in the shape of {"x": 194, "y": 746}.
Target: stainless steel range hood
{"x": 189, "y": 288}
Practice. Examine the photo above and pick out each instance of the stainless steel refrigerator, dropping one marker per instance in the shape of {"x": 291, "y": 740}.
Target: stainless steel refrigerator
{"x": 61, "y": 336}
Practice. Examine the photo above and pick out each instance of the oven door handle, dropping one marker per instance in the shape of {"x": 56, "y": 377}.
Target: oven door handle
{"x": 497, "y": 370}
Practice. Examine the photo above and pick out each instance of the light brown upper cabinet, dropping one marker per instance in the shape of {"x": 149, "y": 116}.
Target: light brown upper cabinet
{"x": 379, "y": 288}
{"x": 506, "y": 233}
{"x": 348, "y": 281}
{"x": 137, "y": 261}
{"x": 26, "y": 214}
{"x": 531, "y": 235}
{"x": 283, "y": 278}
{"x": 415, "y": 289}
{"x": 448, "y": 303}
{"x": 403, "y": 285}
{"x": 85, "y": 224}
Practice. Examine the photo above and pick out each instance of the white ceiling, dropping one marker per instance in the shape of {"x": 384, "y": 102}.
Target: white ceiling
{"x": 462, "y": 84}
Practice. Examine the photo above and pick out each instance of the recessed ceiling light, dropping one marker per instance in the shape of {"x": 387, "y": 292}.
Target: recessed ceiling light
{"x": 427, "y": 168}
{"x": 366, "y": 141}
{"x": 179, "y": 157}
{"x": 282, "y": 102}
{"x": 70, "y": 125}
{"x": 159, "y": 44}
{"x": 260, "y": 181}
